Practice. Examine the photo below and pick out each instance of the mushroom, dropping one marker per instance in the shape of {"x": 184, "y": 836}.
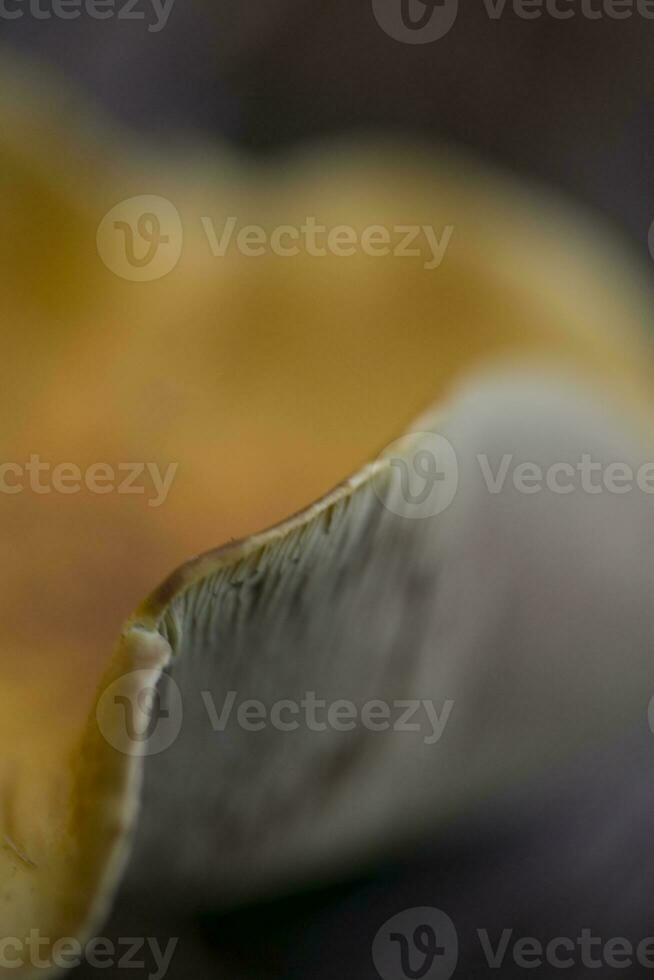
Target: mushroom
{"x": 514, "y": 624}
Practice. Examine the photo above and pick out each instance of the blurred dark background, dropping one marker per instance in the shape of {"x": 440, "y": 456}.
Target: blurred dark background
{"x": 570, "y": 101}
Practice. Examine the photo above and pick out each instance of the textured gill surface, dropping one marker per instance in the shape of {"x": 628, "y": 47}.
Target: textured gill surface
{"x": 532, "y": 613}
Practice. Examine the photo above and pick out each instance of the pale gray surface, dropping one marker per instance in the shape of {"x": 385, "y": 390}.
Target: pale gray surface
{"x": 532, "y": 613}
